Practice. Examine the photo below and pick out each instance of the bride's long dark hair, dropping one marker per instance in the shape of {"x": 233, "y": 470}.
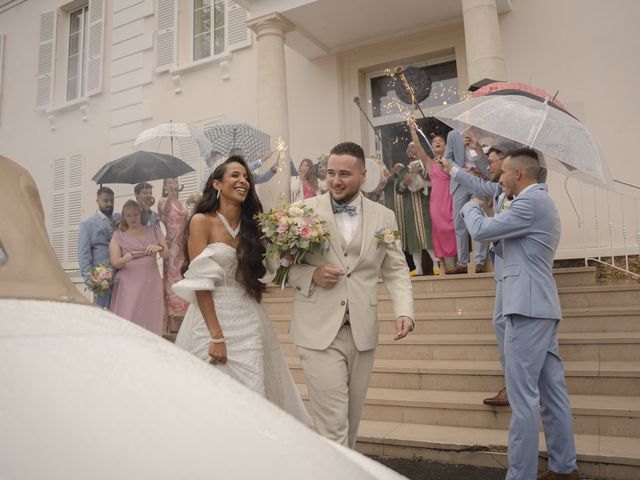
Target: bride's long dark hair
{"x": 250, "y": 249}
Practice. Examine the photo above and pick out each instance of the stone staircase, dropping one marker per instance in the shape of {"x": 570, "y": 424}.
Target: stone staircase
{"x": 426, "y": 391}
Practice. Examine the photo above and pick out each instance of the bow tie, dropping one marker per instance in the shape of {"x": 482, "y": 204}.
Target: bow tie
{"x": 341, "y": 207}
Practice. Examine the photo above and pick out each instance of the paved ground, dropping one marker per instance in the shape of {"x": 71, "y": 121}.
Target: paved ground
{"x": 422, "y": 470}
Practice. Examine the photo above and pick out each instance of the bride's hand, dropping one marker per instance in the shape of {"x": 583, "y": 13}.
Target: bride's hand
{"x": 217, "y": 353}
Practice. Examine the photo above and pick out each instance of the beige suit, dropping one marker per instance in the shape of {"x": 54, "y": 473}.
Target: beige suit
{"x": 338, "y": 359}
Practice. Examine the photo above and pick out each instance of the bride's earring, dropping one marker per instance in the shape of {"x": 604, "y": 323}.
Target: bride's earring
{"x": 218, "y": 194}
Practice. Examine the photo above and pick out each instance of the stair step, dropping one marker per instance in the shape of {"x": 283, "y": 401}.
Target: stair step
{"x": 606, "y": 346}
{"x": 482, "y": 300}
{"x": 592, "y": 414}
{"x": 583, "y": 377}
{"x": 598, "y": 455}
{"x": 592, "y": 319}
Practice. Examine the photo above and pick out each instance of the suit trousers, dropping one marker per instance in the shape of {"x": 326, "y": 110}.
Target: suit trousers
{"x": 536, "y": 385}
{"x": 337, "y": 380}
{"x": 499, "y": 322}
{"x": 459, "y": 198}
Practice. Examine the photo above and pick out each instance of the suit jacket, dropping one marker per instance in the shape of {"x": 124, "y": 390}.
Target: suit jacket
{"x": 93, "y": 242}
{"x": 529, "y": 231}
{"x": 455, "y": 153}
{"x": 318, "y": 313}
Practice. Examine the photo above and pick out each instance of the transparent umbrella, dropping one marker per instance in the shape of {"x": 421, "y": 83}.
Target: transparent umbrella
{"x": 531, "y": 120}
{"x": 225, "y": 136}
{"x": 171, "y": 131}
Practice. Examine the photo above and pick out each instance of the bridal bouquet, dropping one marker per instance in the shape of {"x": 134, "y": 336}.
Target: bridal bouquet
{"x": 291, "y": 231}
{"x": 100, "y": 277}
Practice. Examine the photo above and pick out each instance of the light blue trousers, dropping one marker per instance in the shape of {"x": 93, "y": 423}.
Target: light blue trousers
{"x": 102, "y": 299}
{"x": 536, "y": 386}
{"x": 499, "y": 322}
{"x": 459, "y": 198}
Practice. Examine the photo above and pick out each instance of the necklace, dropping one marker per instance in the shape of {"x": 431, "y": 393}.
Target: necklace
{"x": 232, "y": 232}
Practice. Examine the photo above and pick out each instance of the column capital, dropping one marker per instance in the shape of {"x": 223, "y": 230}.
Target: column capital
{"x": 270, "y": 24}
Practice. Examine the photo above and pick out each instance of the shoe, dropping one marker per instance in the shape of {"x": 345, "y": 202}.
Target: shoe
{"x": 549, "y": 475}
{"x": 458, "y": 269}
{"x": 480, "y": 268}
{"x": 500, "y": 399}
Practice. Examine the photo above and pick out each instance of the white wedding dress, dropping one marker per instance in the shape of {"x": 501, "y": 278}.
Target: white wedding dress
{"x": 254, "y": 355}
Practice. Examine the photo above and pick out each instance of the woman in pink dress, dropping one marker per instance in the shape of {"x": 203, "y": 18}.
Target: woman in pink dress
{"x": 443, "y": 232}
{"x": 174, "y": 214}
{"x": 137, "y": 292}
{"x": 306, "y": 184}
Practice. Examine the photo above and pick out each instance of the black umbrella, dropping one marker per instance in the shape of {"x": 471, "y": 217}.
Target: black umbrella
{"x": 141, "y": 166}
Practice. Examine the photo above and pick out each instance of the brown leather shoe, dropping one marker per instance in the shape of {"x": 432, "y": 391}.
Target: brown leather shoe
{"x": 499, "y": 400}
{"x": 458, "y": 269}
{"x": 480, "y": 268}
{"x": 549, "y": 475}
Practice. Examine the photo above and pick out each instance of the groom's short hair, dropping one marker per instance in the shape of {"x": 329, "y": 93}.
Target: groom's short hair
{"x": 528, "y": 161}
{"x": 348, "y": 148}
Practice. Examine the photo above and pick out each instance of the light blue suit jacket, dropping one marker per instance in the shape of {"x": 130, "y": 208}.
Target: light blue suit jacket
{"x": 529, "y": 232}
{"x": 455, "y": 153}
{"x": 93, "y": 242}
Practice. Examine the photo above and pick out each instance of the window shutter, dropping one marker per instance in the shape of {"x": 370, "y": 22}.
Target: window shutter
{"x": 75, "y": 179}
{"x": 1, "y": 64}
{"x": 46, "y": 58}
{"x": 66, "y": 208}
{"x": 238, "y": 35}
{"x": 95, "y": 38}
{"x": 166, "y": 41}
{"x": 57, "y": 231}
{"x": 190, "y": 153}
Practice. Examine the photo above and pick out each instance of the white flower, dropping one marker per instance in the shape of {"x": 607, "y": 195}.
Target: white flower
{"x": 389, "y": 238}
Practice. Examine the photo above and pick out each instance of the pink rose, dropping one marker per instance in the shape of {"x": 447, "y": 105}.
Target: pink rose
{"x": 305, "y": 231}
{"x": 282, "y": 228}
{"x": 279, "y": 215}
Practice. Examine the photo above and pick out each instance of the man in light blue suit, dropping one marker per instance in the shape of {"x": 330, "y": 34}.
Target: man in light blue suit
{"x": 93, "y": 240}
{"x": 456, "y": 153}
{"x": 529, "y": 233}
{"x": 492, "y": 189}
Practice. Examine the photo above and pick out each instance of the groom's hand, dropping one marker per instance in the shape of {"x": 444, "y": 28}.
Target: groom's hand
{"x": 404, "y": 325}
{"x": 327, "y": 276}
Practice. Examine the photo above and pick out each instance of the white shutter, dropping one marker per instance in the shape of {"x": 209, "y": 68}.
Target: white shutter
{"x": 95, "y": 54}
{"x": 46, "y": 58}
{"x": 67, "y": 176}
{"x": 1, "y": 64}
{"x": 57, "y": 230}
{"x": 190, "y": 153}
{"x": 166, "y": 40}
{"x": 238, "y": 35}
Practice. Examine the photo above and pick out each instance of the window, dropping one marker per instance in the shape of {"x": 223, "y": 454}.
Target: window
{"x": 70, "y": 64}
{"x": 208, "y": 28}
{"x": 211, "y": 30}
{"x": 77, "y": 59}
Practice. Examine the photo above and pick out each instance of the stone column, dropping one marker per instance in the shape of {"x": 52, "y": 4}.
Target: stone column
{"x": 273, "y": 112}
{"x": 483, "y": 41}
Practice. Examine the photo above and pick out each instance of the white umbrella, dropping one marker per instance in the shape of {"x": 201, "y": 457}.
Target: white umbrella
{"x": 566, "y": 144}
{"x": 175, "y": 130}
{"x": 87, "y": 394}
{"x": 224, "y": 136}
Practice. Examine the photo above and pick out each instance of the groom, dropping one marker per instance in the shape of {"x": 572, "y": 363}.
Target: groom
{"x": 335, "y": 325}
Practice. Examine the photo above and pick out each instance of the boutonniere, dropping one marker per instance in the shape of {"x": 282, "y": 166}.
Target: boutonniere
{"x": 506, "y": 205}
{"x": 387, "y": 237}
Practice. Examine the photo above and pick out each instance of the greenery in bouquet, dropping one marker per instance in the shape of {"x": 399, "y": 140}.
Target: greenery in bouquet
{"x": 100, "y": 278}
{"x": 193, "y": 199}
{"x": 292, "y": 231}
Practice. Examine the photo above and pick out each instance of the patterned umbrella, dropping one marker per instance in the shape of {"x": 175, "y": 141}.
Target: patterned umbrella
{"x": 225, "y": 136}
{"x": 141, "y": 166}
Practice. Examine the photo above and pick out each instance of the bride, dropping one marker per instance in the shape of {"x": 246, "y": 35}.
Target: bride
{"x": 226, "y": 324}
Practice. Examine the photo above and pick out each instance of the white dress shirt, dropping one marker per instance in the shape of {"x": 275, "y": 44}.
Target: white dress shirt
{"x": 348, "y": 224}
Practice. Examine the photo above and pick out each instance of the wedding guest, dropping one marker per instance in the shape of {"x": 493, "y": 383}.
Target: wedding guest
{"x": 440, "y": 205}
{"x": 305, "y": 185}
{"x": 215, "y": 157}
{"x": 255, "y": 165}
{"x": 93, "y": 240}
{"x": 321, "y": 174}
{"x": 144, "y": 196}
{"x": 137, "y": 291}
{"x": 529, "y": 234}
{"x": 414, "y": 219}
{"x": 226, "y": 325}
{"x": 174, "y": 213}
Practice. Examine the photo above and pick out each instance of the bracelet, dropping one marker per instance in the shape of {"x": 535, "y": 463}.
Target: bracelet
{"x": 216, "y": 340}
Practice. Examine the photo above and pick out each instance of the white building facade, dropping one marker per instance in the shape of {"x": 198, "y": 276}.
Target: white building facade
{"x": 79, "y": 80}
